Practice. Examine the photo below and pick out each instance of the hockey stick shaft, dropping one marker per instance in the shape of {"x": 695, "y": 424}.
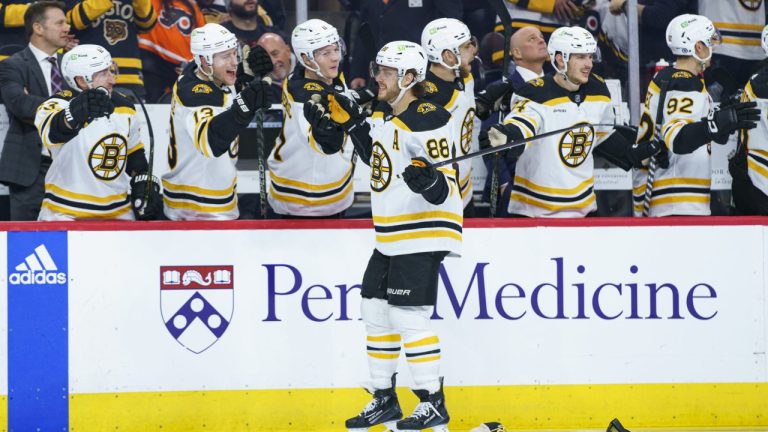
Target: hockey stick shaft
{"x": 513, "y": 144}
{"x": 151, "y": 161}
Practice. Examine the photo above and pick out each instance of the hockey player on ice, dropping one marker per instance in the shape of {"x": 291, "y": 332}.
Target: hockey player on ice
{"x": 94, "y": 138}
{"x": 418, "y": 221}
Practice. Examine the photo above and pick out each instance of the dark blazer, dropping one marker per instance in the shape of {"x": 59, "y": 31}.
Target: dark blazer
{"x": 20, "y": 159}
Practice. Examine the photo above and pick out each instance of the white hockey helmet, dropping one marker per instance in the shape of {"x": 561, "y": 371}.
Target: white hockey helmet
{"x": 764, "y": 39}
{"x": 570, "y": 40}
{"x": 208, "y": 40}
{"x": 310, "y": 36}
{"x": 685, "y": 30}
{"x": 444, "y": 34}
{"x": 84, "y": 61}
{"x": 403, "y": 56}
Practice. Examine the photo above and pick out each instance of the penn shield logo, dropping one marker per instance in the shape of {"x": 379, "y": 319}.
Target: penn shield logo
{"x": 196, "y": 303}
{"x": 38, "y": 268}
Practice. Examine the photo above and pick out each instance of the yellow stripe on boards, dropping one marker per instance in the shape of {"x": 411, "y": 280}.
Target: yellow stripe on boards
{"x": 431, "y": 340}
{"x": 526, "y": 407}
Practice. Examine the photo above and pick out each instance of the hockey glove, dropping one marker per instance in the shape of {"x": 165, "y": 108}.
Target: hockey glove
{"x": 638, "y": 152}
{"x": 327, "y": 133}
{"x": 424, "y": 179}
{"x": 87, "y": 106}
{"x": 727, "y": 119}
{"x": 146, "y": 207}
{"x": 365, "y": 95}
{"x": 492, "y": 97}
{"x": 253, "y": 97}
{"x": 500, "y": 134}
{"x": 257, "y": 64}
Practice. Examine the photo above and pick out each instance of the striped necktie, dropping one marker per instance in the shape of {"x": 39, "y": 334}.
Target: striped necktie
{"x": 56, "y": 82}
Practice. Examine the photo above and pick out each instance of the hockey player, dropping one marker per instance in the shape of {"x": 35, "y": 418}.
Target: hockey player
{"x": 115, "y": 24}
{"x": 418, "y": 221}
{"x": 305, "y": 179}
{"x": 554, "y": 175}
{"x": 94, "y": 138}
{"x": 206, "y": 117}
{"x": 450, "y": 49}
{"x": 678, "y": 106}
{"x": 749, "y": 166}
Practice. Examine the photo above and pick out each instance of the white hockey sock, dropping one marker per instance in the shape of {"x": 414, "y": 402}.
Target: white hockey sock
{"x": 422, "y": 346}
{"x": 382, "y": 342}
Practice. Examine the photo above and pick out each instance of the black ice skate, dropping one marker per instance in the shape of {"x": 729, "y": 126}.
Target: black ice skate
{"x": 429, "y": 413}
{"x": 383, "y": 409}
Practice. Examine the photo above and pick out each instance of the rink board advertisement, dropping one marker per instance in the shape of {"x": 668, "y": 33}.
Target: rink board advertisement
{"x": 258, "y": 329}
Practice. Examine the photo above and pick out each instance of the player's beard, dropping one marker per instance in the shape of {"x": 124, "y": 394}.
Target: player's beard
{"x": 241, "y": 12}
{"x": 464, "y": 71}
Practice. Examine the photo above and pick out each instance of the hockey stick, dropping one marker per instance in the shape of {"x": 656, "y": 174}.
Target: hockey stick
{"x": 653, "y": 164}
{"x": 150, "y": 163}
{"x": 259, "y": 120}
{"x": 506, "y": 22}
{"x": 513, "y": 144}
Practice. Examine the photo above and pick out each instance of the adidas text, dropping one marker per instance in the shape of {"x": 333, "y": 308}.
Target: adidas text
{"x": 30, "y": 277}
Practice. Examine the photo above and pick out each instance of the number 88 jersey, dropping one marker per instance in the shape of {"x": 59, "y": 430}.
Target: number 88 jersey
{"x": 403, "y": 220}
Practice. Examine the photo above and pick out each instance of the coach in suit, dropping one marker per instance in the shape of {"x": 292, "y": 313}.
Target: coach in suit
{"x": 27, "y": 78}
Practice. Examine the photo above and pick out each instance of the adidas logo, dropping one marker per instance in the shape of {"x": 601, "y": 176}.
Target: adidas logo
{"x": 38, "y": 268}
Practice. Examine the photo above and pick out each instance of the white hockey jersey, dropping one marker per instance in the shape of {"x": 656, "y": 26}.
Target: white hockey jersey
{"x": 554, "y": 176}
{"x": 198, "y": 186}
{"x": 756, "y": 139}
{"x": 88, "y": 179}
{"x": 458, "y": 97}
{"x": 684, "y": 187}
{"x": 304, "y": 181}
{"x": 740, "y": 23}
{"x": 404, "y": 221}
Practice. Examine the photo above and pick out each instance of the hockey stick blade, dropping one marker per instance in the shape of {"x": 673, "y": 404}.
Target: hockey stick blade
{"x": 516, "y": 143}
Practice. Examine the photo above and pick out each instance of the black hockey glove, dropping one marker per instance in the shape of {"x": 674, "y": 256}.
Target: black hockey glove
{"x": 492, "y": 97}
{"x": 253, "y": 97}
{"x": 727, "y": 119}
{"x": 257, "y": 64}
{"x": 146, "y": 206}
{"x": 500, "y": 134}
{"x": 345, "y": 112}
{"x": 87, "y": 106}
{"x": 638, "y": 152}
{"x": 424, "y": 179}
{"x": 327, "y": 133}
{"x": 365, "y": 94}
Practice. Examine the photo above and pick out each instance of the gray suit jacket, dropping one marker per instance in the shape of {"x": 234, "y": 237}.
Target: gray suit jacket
{"x": 20, "y": 159}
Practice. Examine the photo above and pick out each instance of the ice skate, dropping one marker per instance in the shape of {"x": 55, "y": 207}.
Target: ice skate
{"x": 383, "y": 409}
{"x": 429, "y": 413}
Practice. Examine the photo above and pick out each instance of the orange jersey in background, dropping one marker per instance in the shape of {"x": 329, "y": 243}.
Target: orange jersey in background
{"x": 169, "y": 38}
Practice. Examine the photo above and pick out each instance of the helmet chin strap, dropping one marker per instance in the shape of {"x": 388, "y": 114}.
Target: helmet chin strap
{"x": 564, "y": 72}
{"x": 402, "y": 90}
{"x": 317, "y": 71}
{"x": 455, "y": 68}
{"x": 702, "y": 61}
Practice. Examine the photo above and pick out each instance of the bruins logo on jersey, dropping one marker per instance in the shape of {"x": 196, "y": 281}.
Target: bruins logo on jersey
{"x": 430, "y": 87}
{"x": 425, "y": 108}
{"x": 575, "y": 145}
{"x": 108, "y": 156}
{"x": 537, "y": 82}
{"x": 202, "y": 89}
{"x": 65, "y": 93}
{"x": 381, "y": 168}
{"x": 751, "y": 5}
{"x": 467, "y": 126}
{"x": 115, "y": 31}
{"x": 313, "y": 86}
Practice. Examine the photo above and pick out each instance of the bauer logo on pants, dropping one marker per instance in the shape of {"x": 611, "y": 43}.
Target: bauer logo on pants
{"x": 196, "y": 303}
